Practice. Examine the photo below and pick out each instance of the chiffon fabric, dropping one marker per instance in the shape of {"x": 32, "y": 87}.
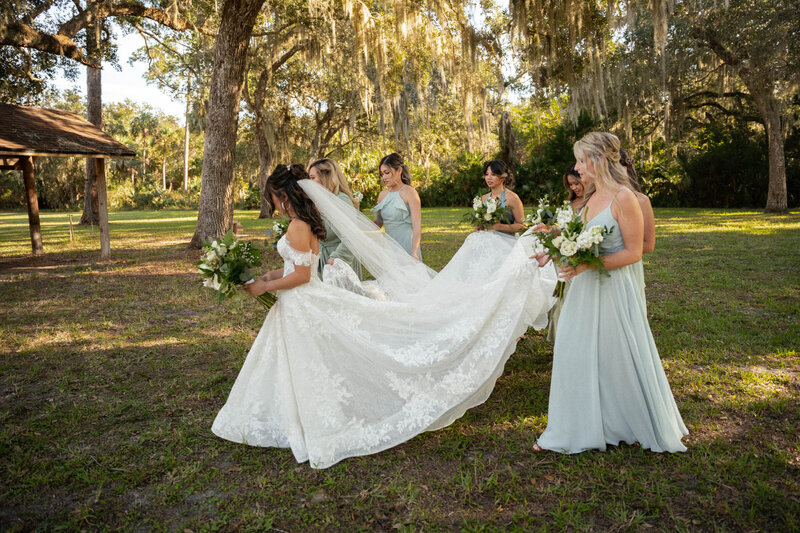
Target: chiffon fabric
{"x": 337, "y": 373}
{"x": 608, "y": 385}
{"x": 333, "y": 248}
{"x": 393, "y": 212}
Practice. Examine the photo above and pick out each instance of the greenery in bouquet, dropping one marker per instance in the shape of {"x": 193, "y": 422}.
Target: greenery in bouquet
{"x": 570, "y": 242}
{"x": 277, "y": 231}
{"x": 550, "y": 213}
{"x": 226, "y": 265}
{"x": 486, "y": 214}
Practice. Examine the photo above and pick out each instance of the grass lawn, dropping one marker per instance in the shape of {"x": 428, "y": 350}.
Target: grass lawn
{"x": 111, "y": 373}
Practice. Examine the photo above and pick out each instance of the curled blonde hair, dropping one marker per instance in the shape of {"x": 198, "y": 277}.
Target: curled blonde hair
{"x": 603, "y": 149}
{"x": 332, "y": 178}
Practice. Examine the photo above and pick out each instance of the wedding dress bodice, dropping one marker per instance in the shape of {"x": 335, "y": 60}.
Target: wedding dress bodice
{"x": 292, "y": 257}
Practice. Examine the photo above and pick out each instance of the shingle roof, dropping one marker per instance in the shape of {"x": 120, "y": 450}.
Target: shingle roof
{"x": 54, "y": 132}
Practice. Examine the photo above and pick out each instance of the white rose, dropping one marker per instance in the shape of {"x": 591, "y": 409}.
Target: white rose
{"x": 491, "y": 206}
{"x": 215, "y": 283}
{"x": 358, "y": 195}
{"x": 558, "y": 240}
{"x": 476, "y": 203}
{"x": 208, "y": 282}
{"x": 276, "y": 227}
{"x": 487, "y": 217}
{"x": 568, "y": 248}
{"x": 585, "y": 240}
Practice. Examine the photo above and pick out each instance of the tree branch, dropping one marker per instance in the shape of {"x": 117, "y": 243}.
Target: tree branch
{"x": 24, "y": 36}
{"x": 106, "y": 9}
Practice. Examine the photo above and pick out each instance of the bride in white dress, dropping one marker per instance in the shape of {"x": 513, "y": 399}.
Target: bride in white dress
{"x": 340, "y": 372}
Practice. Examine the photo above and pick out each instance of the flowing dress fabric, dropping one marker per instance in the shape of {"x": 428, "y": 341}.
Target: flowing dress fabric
{"x": 608, "y": 384}
{"x": 555, "y": 312}
{"x": 333, "y": 248}
{"x": 396, "y": 218}
{"x": 335, "y": 374}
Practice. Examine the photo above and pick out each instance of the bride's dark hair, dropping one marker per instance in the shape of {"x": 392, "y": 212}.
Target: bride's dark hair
{"x": 283, "y": 184}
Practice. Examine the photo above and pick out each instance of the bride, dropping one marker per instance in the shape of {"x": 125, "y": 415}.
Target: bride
{"x": 337, "y": 373}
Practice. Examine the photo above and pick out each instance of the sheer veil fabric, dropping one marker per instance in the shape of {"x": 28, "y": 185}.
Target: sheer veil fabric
{"x": 337, "y": 373}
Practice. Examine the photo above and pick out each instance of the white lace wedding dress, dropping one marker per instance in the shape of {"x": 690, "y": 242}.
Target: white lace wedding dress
{"x": 336, "y": 373}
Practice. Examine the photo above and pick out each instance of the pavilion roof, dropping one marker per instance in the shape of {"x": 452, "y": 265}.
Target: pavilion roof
{"x": 38, "y": 131}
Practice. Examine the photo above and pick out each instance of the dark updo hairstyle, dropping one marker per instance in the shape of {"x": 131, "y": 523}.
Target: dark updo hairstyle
{"x": 575, "y": 174}
{"x": 283, "y": 184}
{"x": 395, "y": 161}
{"x": 626, "y": 161}
{"x": 500, "y": 168}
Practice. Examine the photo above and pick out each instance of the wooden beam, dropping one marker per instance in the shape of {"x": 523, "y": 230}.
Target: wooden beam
{"x": 102, "y": 208}
{"x": 33, "y": 206}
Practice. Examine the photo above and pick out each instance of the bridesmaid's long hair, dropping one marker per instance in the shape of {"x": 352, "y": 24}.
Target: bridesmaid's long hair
{"x": 332, "y": 177}
{"x": 395, "y": 161}
{"x": 500, "y": 169}
{"x": 603, "y": 149}
{"x": 626, "y": 161}
{"x": 283, "y": 184}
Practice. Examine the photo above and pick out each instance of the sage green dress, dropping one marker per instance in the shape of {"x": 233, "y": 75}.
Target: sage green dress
{"x": 393, "y": 212}
{"x": 333, "y": 248}
{"x": 608, "y": 385}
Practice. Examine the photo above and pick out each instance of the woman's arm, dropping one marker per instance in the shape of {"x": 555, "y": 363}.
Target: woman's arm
{"x": 519, "y": 215}
{"x": 628, "y": 214}
{"x": 299, "y": 234}
{"x": 272, "y": 274}
{"x": 377, "y": 220}
{"x": 649, "y": 219}
{"x": 415, "y": 210}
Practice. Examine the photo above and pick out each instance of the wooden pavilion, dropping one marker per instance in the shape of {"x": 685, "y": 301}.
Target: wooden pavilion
{"x": 30, "y": 132}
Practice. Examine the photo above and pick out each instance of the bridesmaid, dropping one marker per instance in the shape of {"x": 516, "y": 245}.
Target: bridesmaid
{"x": 649, "y": 244}
{"x": 399, "y": 209}
{"x": 498, "y": 178}
{"x": 327, "y": 173}
{"x": 574, "y": 187}
{"x": 608, "y": 385}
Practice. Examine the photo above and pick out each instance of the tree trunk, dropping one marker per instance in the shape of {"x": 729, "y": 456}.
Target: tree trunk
{"x": 215, "y": 212}
{"x": 266, "y": 162}
{"x": 94, "y": 108}
{"x": 102, "y": 200}
{"x": 770, "y": 110}
{"x": 186, "y": 134}
{"x": 32, "y": 201}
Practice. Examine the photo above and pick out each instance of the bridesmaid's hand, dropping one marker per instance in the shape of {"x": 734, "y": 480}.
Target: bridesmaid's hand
{"x": 330, "y": 261}
{"x": 414, "y": 255}
{"x": 257, "y": 288}
{"x": 540, "y": 228}
{"x": 568, "y": 272}
{"x": 497, "y": 227}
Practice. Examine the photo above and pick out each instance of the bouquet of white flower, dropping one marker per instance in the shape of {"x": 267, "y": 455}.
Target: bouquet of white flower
{"x": 571, "y": 243}
{"x": 277, "y": 231}
{"x": 486, "y": 215}
{"x": 550, "y": 214}
{"x": 358, "y": 196}
{"x": 226, "y": 264}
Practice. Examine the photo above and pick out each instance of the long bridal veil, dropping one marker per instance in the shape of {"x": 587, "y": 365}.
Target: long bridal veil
{"x": 334, "y": 374}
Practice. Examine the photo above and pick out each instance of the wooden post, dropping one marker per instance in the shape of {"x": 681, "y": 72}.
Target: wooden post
{"x": 102, "y": 208}
{"x": 71, "y": 234}
{"x": 33, "y": 204}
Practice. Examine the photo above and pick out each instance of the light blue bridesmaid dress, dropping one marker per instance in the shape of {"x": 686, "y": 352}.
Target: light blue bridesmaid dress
{"x": 393, "y": 212}
{"x": 333, "y": 248}
{"x": 608, "y": 385}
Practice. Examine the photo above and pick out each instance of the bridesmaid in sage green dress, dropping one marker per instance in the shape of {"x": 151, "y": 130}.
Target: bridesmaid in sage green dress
{"x": 327, "y": 173}
{"x": 498, "y": 178}
{"x": 608, "y": 385}
{"x": 399, "y": 209}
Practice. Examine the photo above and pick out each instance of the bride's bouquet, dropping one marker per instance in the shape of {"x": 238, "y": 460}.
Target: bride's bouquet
{"x": 226, "y": 264}
{"x": 277, "y": 231}
{"x": 486, "y": 215}
{"x": 571, "y": 243}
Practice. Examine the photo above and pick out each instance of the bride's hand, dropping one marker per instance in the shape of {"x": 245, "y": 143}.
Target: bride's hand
{"x": 541, "y": 258}
{"x": 257, "y": 288}
{"x": 330, "y": 261}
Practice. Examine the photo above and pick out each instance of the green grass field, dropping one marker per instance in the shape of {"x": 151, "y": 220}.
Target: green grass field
{"x": 111, "y": 373}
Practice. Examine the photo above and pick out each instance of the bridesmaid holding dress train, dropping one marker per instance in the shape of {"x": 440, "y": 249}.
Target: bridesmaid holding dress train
{"x": 608, "y": 385}
{"x": 399, "y": 209}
